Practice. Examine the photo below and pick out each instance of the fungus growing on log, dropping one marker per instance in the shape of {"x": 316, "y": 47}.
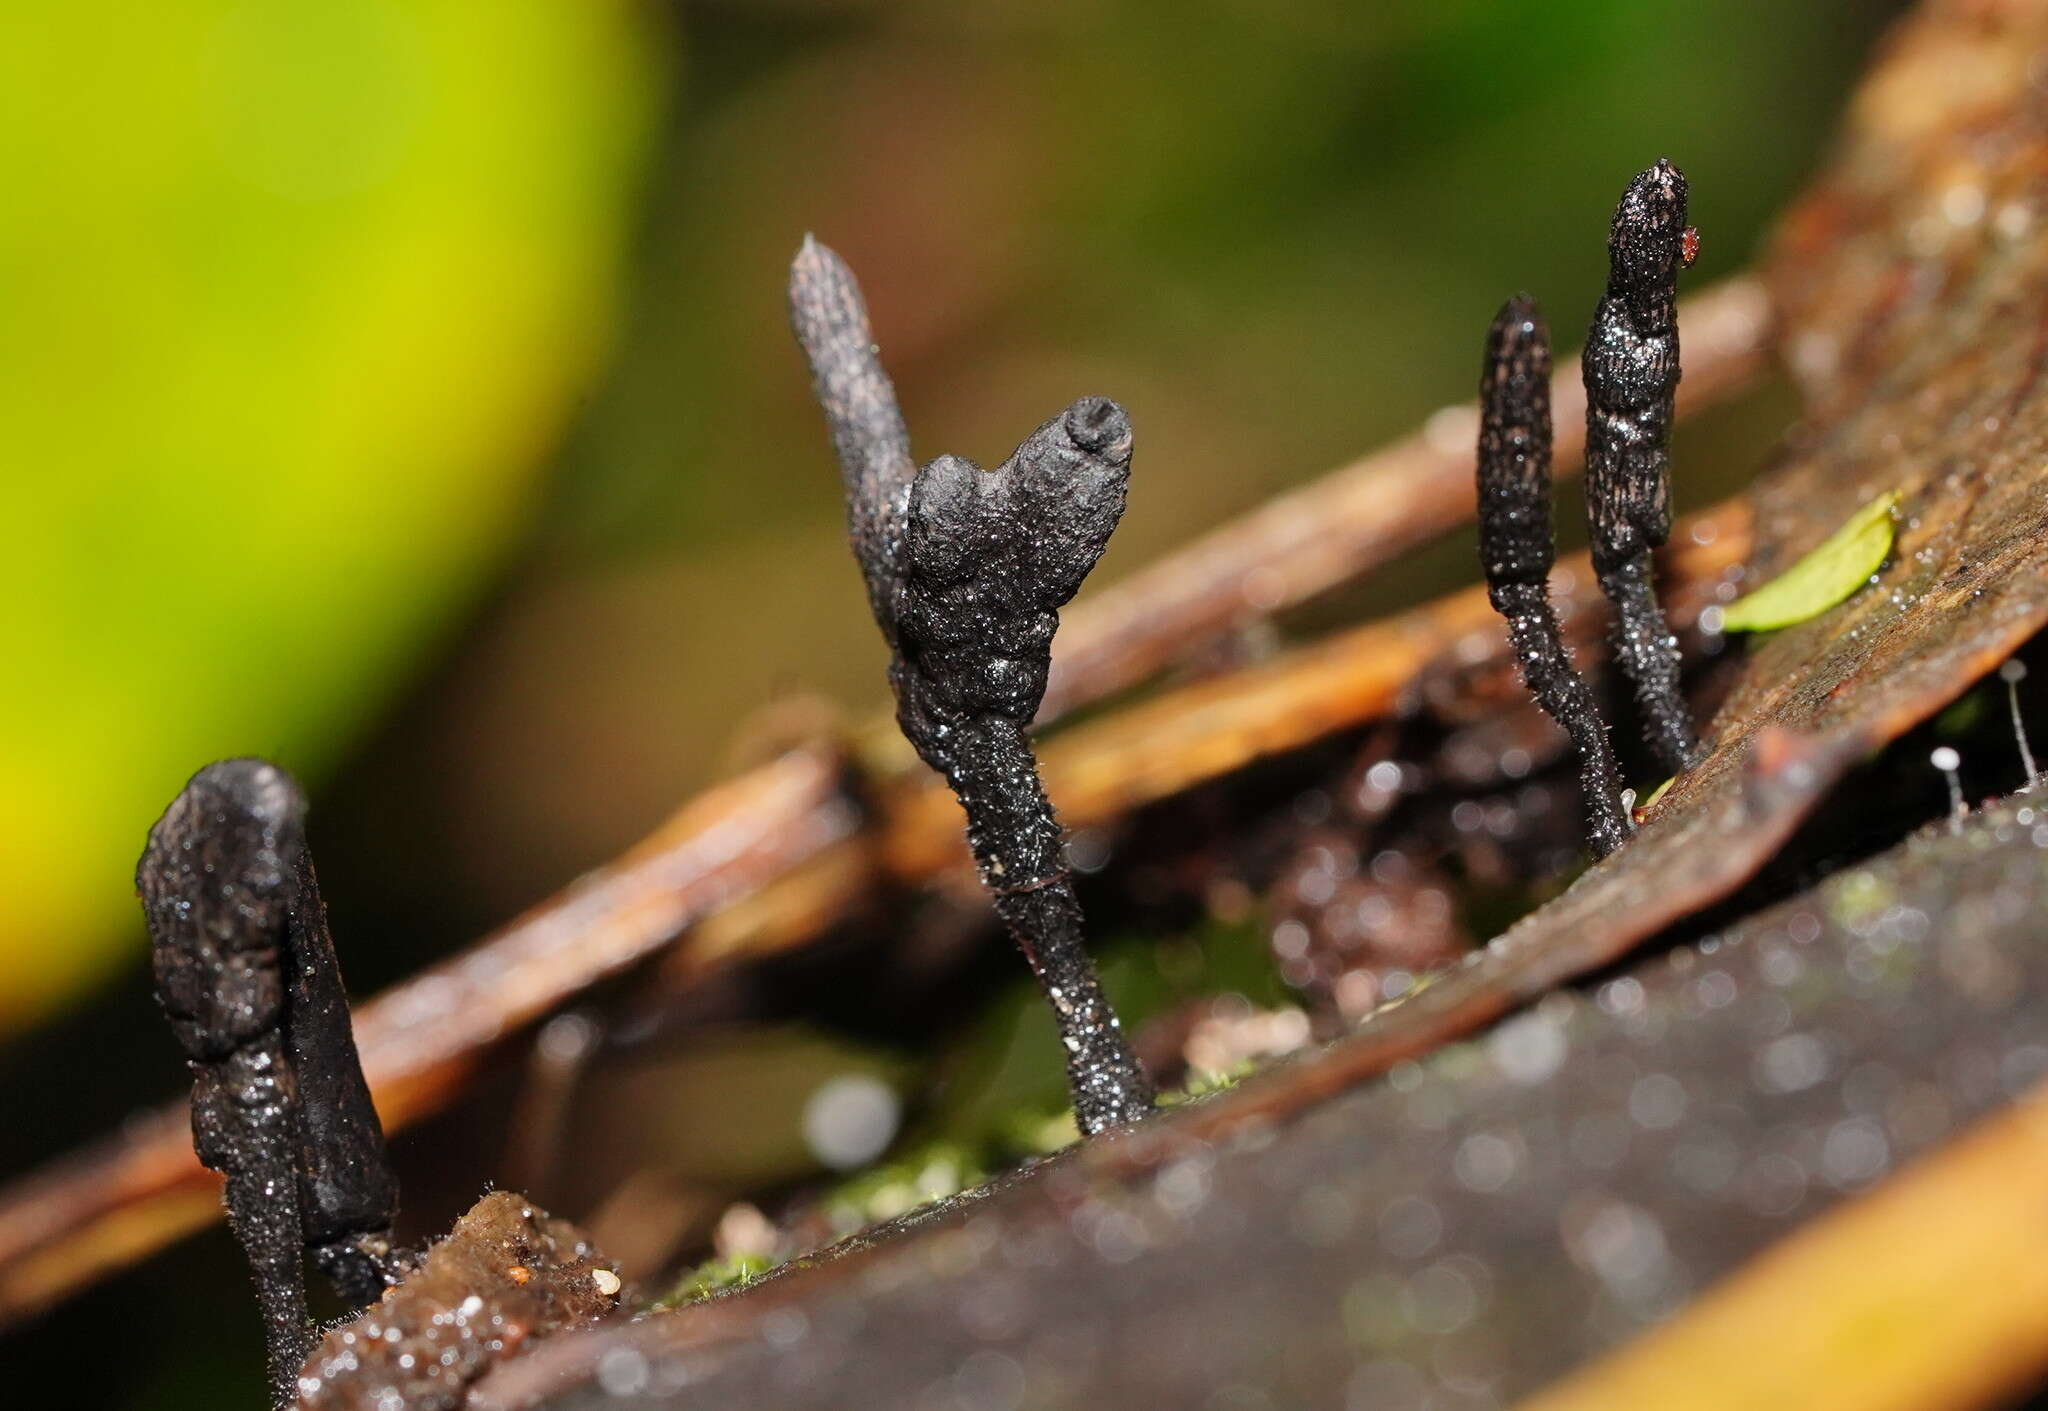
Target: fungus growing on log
{"x": 1631, "y": 372}
{"x": 246, "y": 973}
{"x": 966, "y": 570}
{"x": 1517, "y": 548}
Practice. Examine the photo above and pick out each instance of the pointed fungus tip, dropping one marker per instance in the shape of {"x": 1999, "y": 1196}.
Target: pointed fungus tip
{"x": 815, "y": 264}
{"x": 814, "y": 256}
{"x": 1662, "y": 181}
{"x": 1520, "y": 320}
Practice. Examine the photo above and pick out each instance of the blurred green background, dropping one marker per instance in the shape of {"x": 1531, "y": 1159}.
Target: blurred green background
{"x": 298, "y": 299}
{"x": 401, "y": 389}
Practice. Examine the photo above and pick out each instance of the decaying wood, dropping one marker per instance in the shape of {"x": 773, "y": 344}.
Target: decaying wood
{"x": 1504, "y": 1210}
{"x": 711, "y": 866}
{"x": 1914, "y": 287}
{"x": 1265, "y": 1237}
{"x": 508, "y": 1276}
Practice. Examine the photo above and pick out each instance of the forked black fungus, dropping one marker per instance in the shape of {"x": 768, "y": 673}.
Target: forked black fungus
{"x": 1517, "y": 548}
{"x": 966, "y": 570}
{"x": 1631, "y": 371}
{"x": 246, "y": 973}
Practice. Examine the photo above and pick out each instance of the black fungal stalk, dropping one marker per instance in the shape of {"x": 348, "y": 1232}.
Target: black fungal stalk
{"x": 966, "y": 570}
{"x": 246, "y": 973}
{"x": 1631, "y": 372}
{"x": 1517, "y": 548}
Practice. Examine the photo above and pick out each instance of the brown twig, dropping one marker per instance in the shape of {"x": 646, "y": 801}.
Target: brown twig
{"x": 111, "y": 1204}
{"x": 1327, "y": 533}
{"x": 1103, "y": 770}
{"x": 768, "y": 860}
{"x": 763, "y": 862}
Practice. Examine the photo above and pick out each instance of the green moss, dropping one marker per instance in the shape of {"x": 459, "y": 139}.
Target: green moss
{"x": 900, "y": 1185}
{"x": 714, "y": 1276}
{"x": 1857, "y": 899}
{"x": 1202, "y": 1084}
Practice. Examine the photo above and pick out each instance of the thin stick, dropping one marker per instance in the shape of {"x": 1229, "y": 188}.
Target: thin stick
{"x": 771, "y": 855}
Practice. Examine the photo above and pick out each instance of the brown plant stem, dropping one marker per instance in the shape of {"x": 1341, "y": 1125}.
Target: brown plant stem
{"x": 762, "y": 862}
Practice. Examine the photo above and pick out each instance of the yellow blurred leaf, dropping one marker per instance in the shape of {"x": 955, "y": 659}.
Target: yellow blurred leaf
{"x": 1929, "y": 1291}
{"x": 294, "y": 299}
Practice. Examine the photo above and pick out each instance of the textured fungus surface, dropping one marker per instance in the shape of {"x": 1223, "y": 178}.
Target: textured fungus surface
{"x": 1631, "y": 370}
{"x": 1498, "y": 1210}
{"x": 246, "y": 974}
{"x": 966, "y": 571}
{"x": 1518, "y": 548}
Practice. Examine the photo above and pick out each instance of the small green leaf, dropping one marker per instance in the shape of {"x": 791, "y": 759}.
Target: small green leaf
{"x": 1824, "y": 577}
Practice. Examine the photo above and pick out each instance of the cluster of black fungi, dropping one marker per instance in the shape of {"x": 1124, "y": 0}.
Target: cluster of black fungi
{"x": 966, "y": 570}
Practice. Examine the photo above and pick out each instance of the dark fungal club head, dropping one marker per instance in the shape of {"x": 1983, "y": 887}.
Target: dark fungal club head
{"x": 1631, "y": 369}
{"x": 216, "y": 883}
{"x": 989, "y": 558}
{"x": 1517, "y": 547}
{"x": 1515, "y": 540}
{"x": 1648, "y": 241}
{"x": 246, "y": 974}
{"x": 966, "y": 570}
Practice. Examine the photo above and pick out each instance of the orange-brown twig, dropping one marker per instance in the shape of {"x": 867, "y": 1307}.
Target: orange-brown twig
{"x": 1327, "y": 533}
{"x": 763, "y": 862}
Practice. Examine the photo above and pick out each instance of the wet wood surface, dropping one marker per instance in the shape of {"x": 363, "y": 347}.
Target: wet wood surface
{"x": 1246, "y": 1241}
{"x": 1490, "y": 1216}
{"x": 1496, "y": 1211}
